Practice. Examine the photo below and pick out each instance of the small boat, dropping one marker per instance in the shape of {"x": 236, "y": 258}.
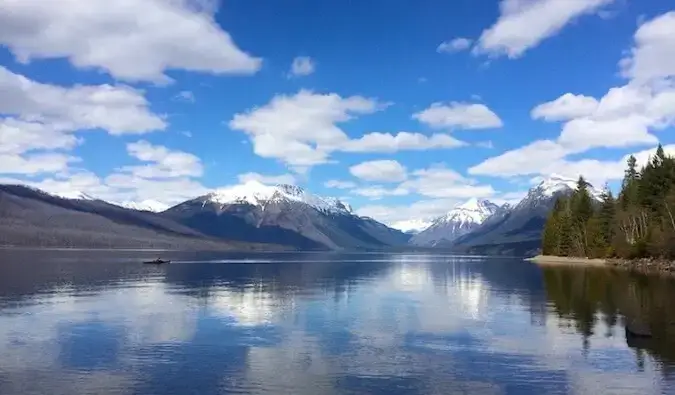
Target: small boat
{"x": 157, "y": 261}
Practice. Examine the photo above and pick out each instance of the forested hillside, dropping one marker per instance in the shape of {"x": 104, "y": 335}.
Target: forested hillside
{"x": 638, "y": 223}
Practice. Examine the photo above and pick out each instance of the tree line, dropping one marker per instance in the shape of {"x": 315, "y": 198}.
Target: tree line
{"x": 638, "y": 223}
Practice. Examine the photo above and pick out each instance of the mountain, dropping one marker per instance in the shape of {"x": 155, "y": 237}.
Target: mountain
{"x": 412, "y": 226}
{"x": 459, "y": 221}
{"x": 517, "y": 230}
{"x": 33, "y": 218}
{"x": 284, "y": 214}
{"x": 145, "y": 205}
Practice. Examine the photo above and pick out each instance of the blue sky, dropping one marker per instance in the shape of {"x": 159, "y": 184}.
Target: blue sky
{"x": 402, "y": 108}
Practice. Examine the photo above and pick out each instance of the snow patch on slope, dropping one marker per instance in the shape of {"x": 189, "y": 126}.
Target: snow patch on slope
{"x": 73, "y": 195}
{"x": 258, "y": 194}
{"x": 145, "y": 205}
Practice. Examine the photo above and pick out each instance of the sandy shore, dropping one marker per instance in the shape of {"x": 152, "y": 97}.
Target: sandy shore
{"x": 563, "y": 260}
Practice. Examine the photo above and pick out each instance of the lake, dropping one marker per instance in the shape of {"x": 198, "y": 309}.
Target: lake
{"x": 77, "y": 322}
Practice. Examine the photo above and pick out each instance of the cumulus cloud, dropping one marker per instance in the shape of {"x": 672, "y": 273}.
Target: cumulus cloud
{"x": 379, "y": 170}
{"x": 423, "y": 209}
{"x": 653, "y": 55}
{"x": 454, "y": 45}
{"x": 337, "y": 184}
{"x": 302, "y": 66}
{"x": 441, "y": 182}
{"x": 567, "y": 106}
{"x": 377, "y": 192}
{"x": 389, "y": 143}
{"x": 626, "y": 116}
{"x": 162, "y": 162}
{"x": 265, "y": 179}
{"x": 18, "y": 137}
{"x": 116, "y": 109}
{"x": 524, "y": 24}
{"x": 596, "y": 171}
{"x": 301, "y": 130}
{"x": 456, "y": 115}
{"x": 130, "y": 39}
{"x": 33, "y": 164}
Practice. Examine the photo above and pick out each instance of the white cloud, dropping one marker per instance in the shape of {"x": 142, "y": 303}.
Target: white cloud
{"x": 301, "y": 130}
{"x": 441, "y": 182}
{"x": 280, "y": 179}
{"x": 337, "y": 184}
{"x": 33, "y": 164}
{"x": 170, "y": 191}
{"x": 162, "y": 162}
{"x": 526, "y": 160}
{"x": 379, "y": 170}
{"x": 654, "y": 53}
{"x": 302, "y": 66}
{"x": 596, "y": 171}
{"x": 523, "y": 24}
{"x": 455, "y": 45}
{"x": 116, "y": 109}
{"x": 131, "y": 39}
{"x": 582, "y": 134}
{"x": 386, "y": 142}
{"x": 186, "y": 96}
{"x": 377, "y": 192}
{"x": 423, "y": 209}
{"x": 625, "y": 116}
{"x": 18, "y": 137}
{"x": 458, "y": 115}
{"x": 567, "y": 106}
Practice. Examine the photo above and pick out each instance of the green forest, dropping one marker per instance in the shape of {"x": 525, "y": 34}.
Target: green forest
{"x": 637, "y": 223}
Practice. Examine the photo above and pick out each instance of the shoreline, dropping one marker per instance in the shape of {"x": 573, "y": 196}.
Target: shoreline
{"x": 647, "y": 265}
{"x": 565, "y": 260}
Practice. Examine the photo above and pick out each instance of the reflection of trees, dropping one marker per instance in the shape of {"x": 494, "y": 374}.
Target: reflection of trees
{"x": 584, "y": 295}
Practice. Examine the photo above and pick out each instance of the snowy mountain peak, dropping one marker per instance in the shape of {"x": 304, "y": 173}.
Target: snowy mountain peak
{"x": 145, "y": 205}
{"x": 552, "y": 185}
{"x": 472, "y": 211}
{"x": 74, "y": 195}
{"x": 257, "y": 194}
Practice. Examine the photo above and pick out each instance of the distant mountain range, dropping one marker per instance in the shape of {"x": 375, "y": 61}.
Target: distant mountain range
{"x": 283, "y": 214}
{"x": 517, "y": 230}
{"x": 254, "y": 215}
{"x": 457, "y": 222}
{"x": 239, "y": 216}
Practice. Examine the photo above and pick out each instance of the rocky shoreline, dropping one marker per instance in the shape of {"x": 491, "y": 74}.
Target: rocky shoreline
{"x": 641, "y": 265}
{"x": 644, "y": 264}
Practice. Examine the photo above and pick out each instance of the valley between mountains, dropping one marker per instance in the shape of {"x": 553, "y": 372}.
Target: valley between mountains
{"x": 254, "y": 216}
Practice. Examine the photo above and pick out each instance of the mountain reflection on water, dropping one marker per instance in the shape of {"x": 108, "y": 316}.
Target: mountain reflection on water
{"x": 75, "y": 322}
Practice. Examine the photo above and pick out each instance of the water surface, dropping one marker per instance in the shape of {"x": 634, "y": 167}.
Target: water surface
{"x": 75, "y": 322}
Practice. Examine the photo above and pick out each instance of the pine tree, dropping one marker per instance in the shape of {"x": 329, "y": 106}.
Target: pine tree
{"x": 551, "y": 234}
{"x": 629, "y": 187}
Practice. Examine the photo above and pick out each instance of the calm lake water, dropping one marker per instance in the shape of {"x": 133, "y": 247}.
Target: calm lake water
{"x": 83, "y": 323}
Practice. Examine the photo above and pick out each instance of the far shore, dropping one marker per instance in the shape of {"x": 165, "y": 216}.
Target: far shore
{"x": 564, "y": 260}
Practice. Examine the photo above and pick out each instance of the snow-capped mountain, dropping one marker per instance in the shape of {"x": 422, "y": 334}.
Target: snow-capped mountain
{"x": 517, "y": 230}
{"x": 73, "y": 195}
{"x": 282, "y": 214}
{"x": 257, "y": 194}
{"x": 553, "y": 186}
{"x": 460, "y": 220}
{"x": 145, "y": 205}
{"x": 412, "y": 226}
